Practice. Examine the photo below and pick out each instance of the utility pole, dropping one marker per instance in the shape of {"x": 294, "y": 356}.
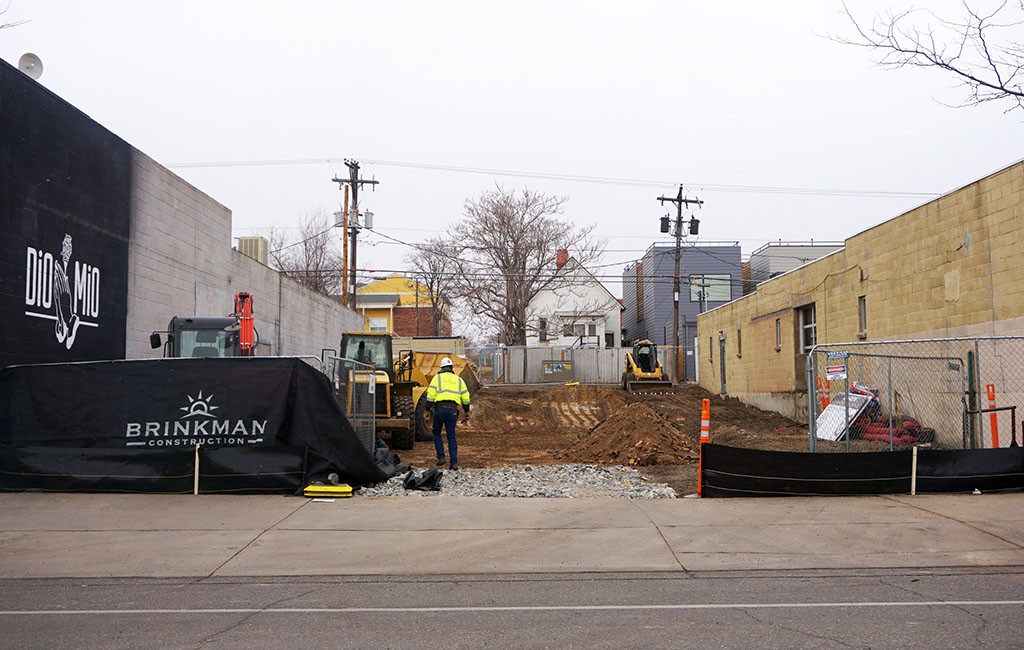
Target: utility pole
{"x": 680, "y": 201}
{"x": 354, "y": 182}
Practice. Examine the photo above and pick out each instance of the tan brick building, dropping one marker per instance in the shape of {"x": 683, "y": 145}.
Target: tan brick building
{"x": 951, "y": 267}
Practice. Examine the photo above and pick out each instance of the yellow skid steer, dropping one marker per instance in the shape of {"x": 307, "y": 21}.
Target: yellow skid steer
{"x": 643, "y": 372}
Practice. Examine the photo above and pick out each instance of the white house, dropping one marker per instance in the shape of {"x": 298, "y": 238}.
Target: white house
{"x": 574, "y": 310}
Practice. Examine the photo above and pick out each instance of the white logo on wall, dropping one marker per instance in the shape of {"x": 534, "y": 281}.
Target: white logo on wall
{"x": 49, "y": 293}
{"x": 198, "y": 426}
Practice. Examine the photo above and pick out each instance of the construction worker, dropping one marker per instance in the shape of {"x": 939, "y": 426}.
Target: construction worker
{"x": 444, "y": 395}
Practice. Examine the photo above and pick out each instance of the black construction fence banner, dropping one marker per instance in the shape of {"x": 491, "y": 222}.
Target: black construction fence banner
{"x": 737, "y": 472}
{"x": 260, "y": 425}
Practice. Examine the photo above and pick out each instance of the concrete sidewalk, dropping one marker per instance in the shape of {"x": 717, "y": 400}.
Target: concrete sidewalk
{"x": 91, "y": 535}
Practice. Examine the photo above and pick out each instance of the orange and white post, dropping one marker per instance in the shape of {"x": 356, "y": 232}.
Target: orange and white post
{"x": 824, "y": 393}
{"x": 992, "y": 419}
{"x": 705, "y": 437}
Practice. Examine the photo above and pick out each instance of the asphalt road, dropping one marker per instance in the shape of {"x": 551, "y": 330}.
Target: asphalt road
{"x": 923, "y": 608}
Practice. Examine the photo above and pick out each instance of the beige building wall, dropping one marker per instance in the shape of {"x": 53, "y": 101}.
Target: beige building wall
{"x": 180, "y": 263}
{"x": 952, "y": 267}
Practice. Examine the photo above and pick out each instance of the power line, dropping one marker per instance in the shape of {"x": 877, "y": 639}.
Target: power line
{"x": 574, "y": 178}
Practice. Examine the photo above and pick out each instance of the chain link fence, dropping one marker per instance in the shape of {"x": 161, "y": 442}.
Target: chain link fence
{"x": 959, "y": 393}
{"x": 355, "y": 390}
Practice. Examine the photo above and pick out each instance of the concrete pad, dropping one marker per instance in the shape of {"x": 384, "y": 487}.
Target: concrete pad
{"x": 788, "y": 510}
{"x": 79, "y": 554}
{"x": 792, "y": 562}
{"x": 56, "y": 511}
{"x": 465, "y": 513}
{"x": 970, "y": 507}
{"x": 847, "y": 545}
{"x": 454, "y": 551}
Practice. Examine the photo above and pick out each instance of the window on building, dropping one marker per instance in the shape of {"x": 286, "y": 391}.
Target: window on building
{"x": 862, "y": 313}
{"x": 716, "y": 288}
{"x": 579, "y": 329}
{"x": 542, "y": 329}
{"x": 592, "y": 329}
{"x": 778, "y": 334}
{"x": 609, "y": 340}
{"x": 808, "y": 328}
{"x": 378, "y": 323}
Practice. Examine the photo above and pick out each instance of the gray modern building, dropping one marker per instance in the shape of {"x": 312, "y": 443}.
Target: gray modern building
{"x": 709, "y": 276}
{"x": 775, "y": 258}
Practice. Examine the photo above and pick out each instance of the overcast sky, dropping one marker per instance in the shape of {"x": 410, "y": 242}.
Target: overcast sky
{"x": 784, "y": 133}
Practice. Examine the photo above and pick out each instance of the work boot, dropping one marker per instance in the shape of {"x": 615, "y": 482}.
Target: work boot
{"x": 454, "y": 468}
{"x": 441, "y": 462}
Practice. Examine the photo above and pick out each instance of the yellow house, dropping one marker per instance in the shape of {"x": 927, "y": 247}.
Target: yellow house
{"x": 399, "y": 305}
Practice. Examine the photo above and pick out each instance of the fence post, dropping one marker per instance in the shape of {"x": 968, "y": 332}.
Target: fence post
{"x": 812, "y": 423}
{"x": 705, "y": 437}
{"x": 195, "y": 484}
{"x": 913, "y": 473}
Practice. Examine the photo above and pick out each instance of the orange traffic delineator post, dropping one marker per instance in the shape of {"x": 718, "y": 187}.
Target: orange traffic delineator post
{"x": 824, "y": 393}
{"x": 992, "y": 419}
{"x": 705, "y": 430}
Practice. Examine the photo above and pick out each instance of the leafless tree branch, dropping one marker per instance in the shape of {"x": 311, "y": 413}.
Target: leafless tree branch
{"x": 429, "y": 263}
{"x": 313, "y": 259}
{"x": 504, "y": 252}
{"x": 979, "y": 51}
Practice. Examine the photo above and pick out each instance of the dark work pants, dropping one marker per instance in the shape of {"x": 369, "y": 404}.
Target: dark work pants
{"x": 447, "y": 416}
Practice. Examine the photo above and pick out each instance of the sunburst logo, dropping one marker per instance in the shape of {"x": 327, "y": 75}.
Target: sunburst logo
{"x": 199, "y": 407}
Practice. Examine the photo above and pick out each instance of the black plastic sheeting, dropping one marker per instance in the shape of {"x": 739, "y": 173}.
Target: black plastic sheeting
{"x": 736, "y": 472}
{"x": 261, "y": 425}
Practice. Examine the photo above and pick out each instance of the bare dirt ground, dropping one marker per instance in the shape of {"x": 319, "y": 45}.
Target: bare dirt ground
{"x": 604, "y": 425}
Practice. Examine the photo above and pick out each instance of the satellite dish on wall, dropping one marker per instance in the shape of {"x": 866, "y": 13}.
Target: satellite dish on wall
{"x": 31, "y": 65}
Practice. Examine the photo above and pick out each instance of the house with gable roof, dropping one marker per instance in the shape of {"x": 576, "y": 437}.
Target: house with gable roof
{"x": 574, "y": 309}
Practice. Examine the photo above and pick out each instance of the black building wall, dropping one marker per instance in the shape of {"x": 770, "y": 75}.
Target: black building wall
{"x": 64, "y": 228}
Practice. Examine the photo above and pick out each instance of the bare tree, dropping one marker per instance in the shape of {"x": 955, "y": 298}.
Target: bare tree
{"x": 6, "y": 25}
{"x": 978, "y": 50}
{"x": 504, "y": 252}
{"x": 312, "y": 260}
{"x": 430, "y": 266}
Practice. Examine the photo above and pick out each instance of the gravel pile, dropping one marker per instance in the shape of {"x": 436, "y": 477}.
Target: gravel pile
{"x": 528, "y": 481}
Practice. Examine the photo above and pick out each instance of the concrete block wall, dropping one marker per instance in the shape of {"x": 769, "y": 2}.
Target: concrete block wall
{"x": 181, "y": 263}
{"x": 948, "y": 268}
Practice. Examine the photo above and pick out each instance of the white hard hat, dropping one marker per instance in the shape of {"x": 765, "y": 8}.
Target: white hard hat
{"x": 447, "y": 363}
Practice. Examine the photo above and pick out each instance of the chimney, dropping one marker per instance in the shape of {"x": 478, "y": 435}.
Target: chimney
{"x": 561, "y": 258}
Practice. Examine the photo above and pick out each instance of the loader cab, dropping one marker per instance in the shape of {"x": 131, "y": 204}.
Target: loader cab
{"x": 368, "y": 348}
{"x": 199, "y": 337}
{"x": 646, "y": 355}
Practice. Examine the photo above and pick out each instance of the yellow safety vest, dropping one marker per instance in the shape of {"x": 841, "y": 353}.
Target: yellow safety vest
{"x": 448, "y": 387}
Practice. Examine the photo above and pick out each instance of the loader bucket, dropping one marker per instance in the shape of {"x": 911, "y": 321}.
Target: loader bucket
{"x": 649, "y": 387}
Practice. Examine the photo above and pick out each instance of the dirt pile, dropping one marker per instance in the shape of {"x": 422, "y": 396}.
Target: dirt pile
{"x": 544, "y": 425}
{"x": 635, "y": 435}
